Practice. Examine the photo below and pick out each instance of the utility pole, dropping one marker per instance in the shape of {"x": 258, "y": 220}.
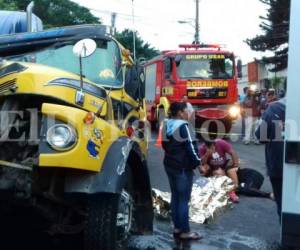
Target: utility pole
{"x": 197, "y": 23}
{"x": 133, "y": 31}
{"x": 113, "y": 23}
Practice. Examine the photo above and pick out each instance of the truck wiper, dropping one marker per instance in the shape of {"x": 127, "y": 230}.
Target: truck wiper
{"x": 196, "y": 77}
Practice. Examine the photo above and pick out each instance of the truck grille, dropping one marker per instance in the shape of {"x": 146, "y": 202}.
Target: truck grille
{"x": 8, "y": 86}
{"x": 207, "y": 93}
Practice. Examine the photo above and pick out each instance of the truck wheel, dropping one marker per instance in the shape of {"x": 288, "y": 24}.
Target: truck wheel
{"x": 109, "y": 221}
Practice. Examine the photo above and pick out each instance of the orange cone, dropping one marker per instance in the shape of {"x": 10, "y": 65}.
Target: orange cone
{"x": 159, "y": 137}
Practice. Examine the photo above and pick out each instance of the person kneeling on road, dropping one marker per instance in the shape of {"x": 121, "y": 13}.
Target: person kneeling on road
{"x": 214, "y": 162}
{"x": 181, "y": 158}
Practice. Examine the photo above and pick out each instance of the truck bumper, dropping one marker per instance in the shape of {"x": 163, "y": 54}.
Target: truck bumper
{"x": 216, "y": 119}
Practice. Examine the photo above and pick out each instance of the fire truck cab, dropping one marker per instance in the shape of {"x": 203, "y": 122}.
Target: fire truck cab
{"x": 206, "y": 74}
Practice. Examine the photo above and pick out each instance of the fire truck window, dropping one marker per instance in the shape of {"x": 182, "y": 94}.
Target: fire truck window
{"x": 168, "y": 68}
{"x": 228, "y": 66}
{"x": 205, "y": 68}
{"x": 178, "y": 59}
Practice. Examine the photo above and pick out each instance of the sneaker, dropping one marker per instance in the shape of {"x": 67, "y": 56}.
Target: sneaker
{"x": 233, "y": 197}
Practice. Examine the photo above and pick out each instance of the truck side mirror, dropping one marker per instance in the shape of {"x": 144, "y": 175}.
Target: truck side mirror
{"x": 239, "y": 68}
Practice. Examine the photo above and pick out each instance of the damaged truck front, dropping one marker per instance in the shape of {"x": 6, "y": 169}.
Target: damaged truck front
{"x": 73, "y": 143}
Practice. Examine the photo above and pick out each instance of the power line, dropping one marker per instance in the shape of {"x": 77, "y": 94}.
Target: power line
{"x": 128, "y": 16}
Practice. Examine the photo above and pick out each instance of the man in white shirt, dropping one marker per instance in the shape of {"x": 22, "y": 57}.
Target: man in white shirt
{"x": 190, "y": 109}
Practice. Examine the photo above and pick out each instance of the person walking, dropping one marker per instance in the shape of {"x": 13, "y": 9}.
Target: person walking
{"x": 270, "y": 132}
{"x": 180, "y": 159}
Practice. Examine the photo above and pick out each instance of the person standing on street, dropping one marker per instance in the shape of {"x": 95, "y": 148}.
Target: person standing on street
{"x": 190, "y": 110}
{"x": 180, "y": 159}
{"x": 241, "y": 100}
{"x": 271, "y": 97}
{"x": 263, "y": 101}
{"x": 270, "y": 132}
{"x": 252, "y": 113}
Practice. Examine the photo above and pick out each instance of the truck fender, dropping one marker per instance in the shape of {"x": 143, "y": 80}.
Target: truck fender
{"x": 111, "y": 177}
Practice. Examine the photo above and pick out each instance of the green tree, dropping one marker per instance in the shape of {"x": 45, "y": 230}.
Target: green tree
{"x": 143, "y": 49}
{"x": 54, "y": 13}
{"x": 7, "y": 5}
{"x": 275, "y": 28}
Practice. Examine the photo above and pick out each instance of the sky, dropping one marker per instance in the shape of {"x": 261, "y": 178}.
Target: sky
{"x": 226, "y": 22}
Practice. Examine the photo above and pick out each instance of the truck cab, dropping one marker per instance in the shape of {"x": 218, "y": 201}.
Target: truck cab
{"x": 206, "y": 74}
{"x": 73, "y": 135}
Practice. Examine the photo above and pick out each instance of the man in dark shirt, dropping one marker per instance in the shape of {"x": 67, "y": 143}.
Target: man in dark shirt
{"x": 270, "y": 132}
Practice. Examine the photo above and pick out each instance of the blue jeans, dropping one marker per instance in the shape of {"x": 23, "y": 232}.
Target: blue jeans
{"x": 181, "y": 182}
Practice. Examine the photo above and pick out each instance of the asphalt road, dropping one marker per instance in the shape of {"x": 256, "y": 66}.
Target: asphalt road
{"x": 251, "y": 224}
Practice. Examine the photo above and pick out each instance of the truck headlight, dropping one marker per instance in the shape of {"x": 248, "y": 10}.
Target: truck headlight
{"x": 234, "y": 111}
{"x": 61, "y": 137}
{"x": 253, "y": 87}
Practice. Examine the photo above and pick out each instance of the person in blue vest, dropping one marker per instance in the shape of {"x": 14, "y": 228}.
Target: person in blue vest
{"x": 270, "y": 132}
{"x": 180, "y": 159}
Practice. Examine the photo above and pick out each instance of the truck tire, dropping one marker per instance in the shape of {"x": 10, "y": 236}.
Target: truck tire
{"x": 100, "y": 230}
{"x": 106, "y": 226}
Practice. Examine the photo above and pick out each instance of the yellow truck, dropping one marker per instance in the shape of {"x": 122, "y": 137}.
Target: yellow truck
{"x": 73, "y": 133}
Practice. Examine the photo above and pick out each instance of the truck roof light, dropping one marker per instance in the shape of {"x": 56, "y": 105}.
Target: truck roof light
{"x": 199, "y": 46}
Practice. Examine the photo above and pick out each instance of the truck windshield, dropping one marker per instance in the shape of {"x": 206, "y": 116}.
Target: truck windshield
{"x": 206, "y": 66}
{"x": 103, "y": 67}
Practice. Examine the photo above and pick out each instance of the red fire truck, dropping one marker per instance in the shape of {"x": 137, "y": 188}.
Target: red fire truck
{"x": 206, "y": 74}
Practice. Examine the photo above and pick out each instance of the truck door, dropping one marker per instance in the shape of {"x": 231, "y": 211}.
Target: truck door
{"x": 291, "y": 173}
{"x": 151, "y": 89}
{"x": 167, "y": 88}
